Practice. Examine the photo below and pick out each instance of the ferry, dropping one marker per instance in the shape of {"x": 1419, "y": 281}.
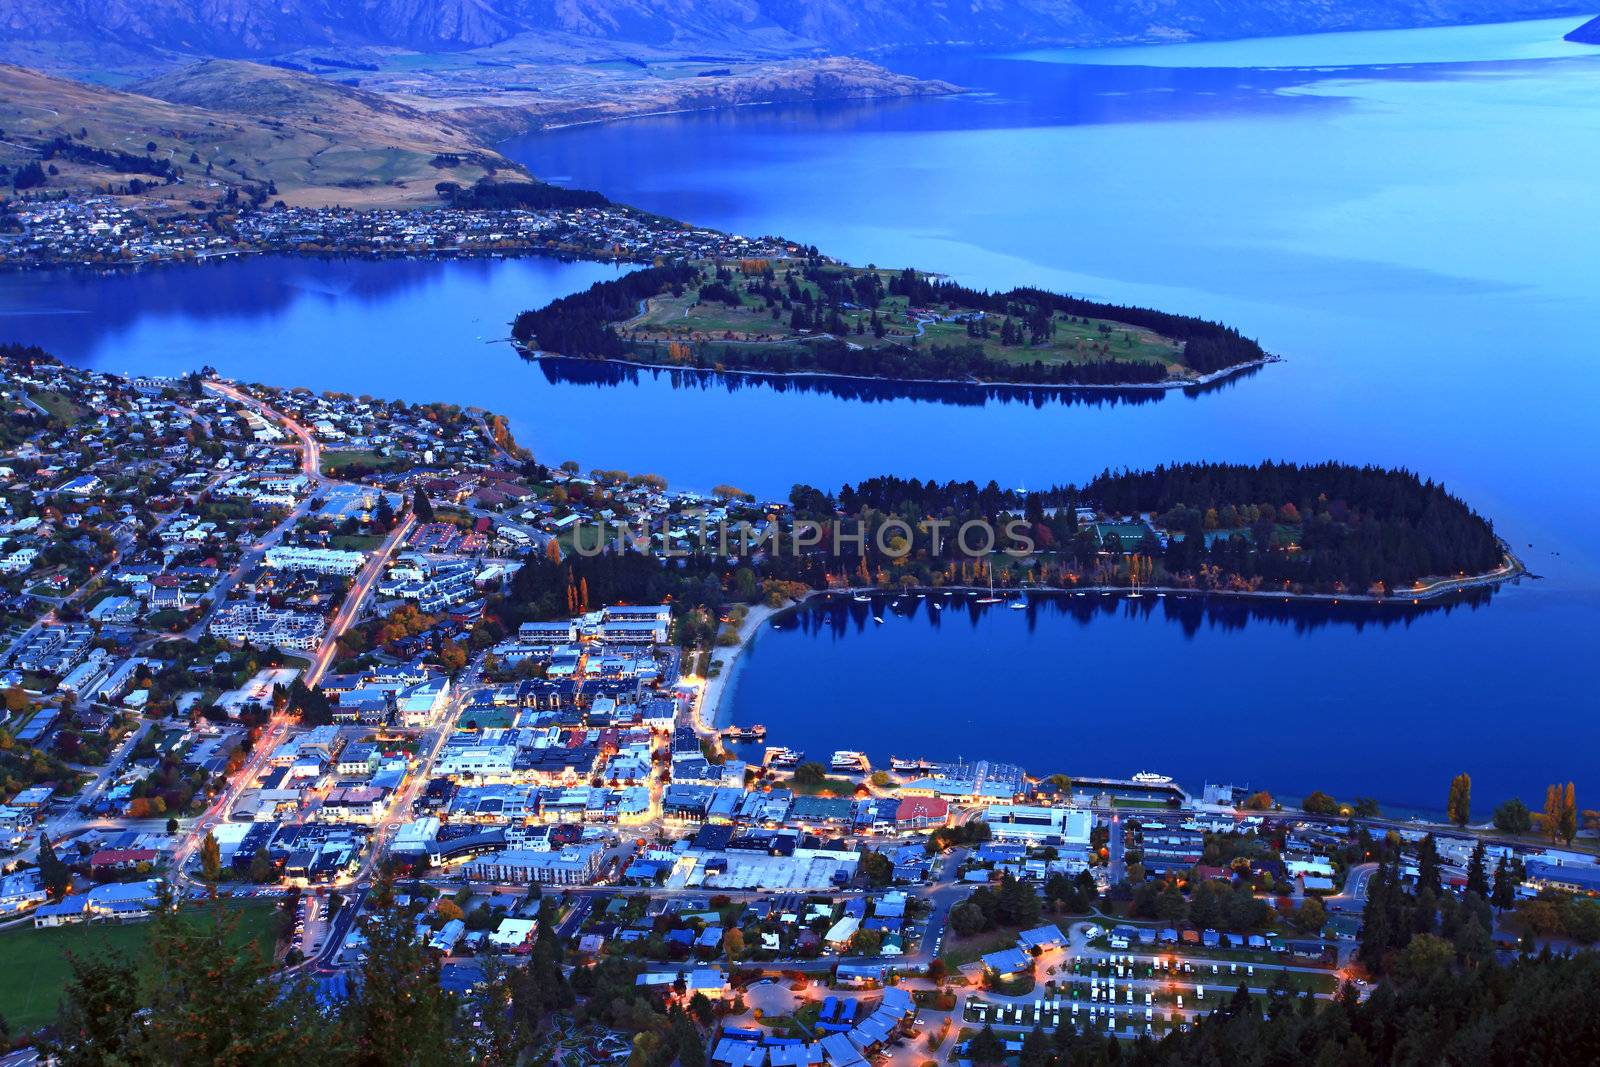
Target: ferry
{"x": 910, "y": 766}
{"x": 745, "y": 733}
{"x": 846, "y": 760}
{"x": 1147, "y": 778}
{"x": 779, "y": 756}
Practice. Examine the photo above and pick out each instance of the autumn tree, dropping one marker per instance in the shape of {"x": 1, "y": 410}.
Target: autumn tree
{"x": 1459, "y": 806}
{"x": 210, "y": 858}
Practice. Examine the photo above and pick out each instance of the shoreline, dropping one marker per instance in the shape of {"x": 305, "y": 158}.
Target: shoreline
{"x": 375, "y": 254}
{"x": 535, "y": 355}
{"x": 708, "y": 708}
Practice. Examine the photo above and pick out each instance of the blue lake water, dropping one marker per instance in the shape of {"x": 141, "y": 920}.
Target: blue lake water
{"x": 1406, "y": 217}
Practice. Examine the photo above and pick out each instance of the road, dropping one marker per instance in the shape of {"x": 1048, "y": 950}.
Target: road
{"x": 348, "y": 614}
{"x": 310, "y": 466}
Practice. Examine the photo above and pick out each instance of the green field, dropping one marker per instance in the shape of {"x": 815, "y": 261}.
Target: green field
{"x": 669, "y": 318}
{"x": 333, "y": 462}
{"x": 36, "y": 968}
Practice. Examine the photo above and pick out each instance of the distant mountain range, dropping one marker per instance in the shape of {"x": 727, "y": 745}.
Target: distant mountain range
{"x": 258, "y": 28}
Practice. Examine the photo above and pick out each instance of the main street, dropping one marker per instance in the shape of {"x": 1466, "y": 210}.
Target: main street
{"x": 348, "y": 614}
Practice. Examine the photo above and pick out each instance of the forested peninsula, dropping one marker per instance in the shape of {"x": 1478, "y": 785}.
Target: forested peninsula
{"x": 811, "y": 316}
{"x": 1326, "y": 530}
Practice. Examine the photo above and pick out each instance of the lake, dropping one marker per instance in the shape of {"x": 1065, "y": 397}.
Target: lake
{"x": 1406, "y": 217}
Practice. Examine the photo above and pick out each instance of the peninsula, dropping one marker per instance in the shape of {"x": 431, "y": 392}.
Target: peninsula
{"x": 813, "y": 316}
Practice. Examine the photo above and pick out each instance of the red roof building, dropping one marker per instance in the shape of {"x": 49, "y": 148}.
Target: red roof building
{"x": 918, "y": 813}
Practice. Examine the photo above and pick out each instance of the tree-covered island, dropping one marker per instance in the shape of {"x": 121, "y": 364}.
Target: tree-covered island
{"x": 815, "y": 317}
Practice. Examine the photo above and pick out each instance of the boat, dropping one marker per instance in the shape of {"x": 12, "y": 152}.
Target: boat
{"x": 937, "y": 606}
{"x": 991, "y": 598}
{"x": 909, "y": 766}
{"x": 848, "y": 760}
{"x": 779, "y": 756}
{"x": 1149, "y": 778}
{"x": 1017, "y": 603}
{"x": 878, "y": 619}
{"x": 745, "y": 733}
{"x": 862, "y": 598}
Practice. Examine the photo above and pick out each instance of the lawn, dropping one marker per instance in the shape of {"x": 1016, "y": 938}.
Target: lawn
{"x": 961, "y": 951}
{"x": 1073, "y": 340}
{"x": 333, "y": 462}
{"x": 61, "y": 406}
{"x": 37, "y": 970}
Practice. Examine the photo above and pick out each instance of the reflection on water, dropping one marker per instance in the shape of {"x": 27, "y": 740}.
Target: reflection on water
{"x": 1190, "y": 612}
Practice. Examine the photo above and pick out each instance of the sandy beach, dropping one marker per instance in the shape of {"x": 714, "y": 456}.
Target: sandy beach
{"x": 706, "y": 715}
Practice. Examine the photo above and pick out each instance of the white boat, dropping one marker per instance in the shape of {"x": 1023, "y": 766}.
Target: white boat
{"x": 878, "y": 619}
{"x": 848, "y": 760}
{"x": 862, "y": 598}
{"x": 991, "y": 598}
{"x": 938, "y": 607}
{"x": 909, "y": 766}
{"x": 779, "y": 756}
{"x": 1149, "y": 778}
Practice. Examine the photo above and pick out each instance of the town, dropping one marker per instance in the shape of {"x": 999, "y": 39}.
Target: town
{"x": 108, "y": 231}
{"x": 280, "y": 652}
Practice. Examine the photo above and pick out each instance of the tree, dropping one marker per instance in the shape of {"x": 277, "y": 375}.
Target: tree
{"x": 210, "y": 858}
{"x": 1478, "y": 871}
{"x": 1428, "y": 866}
{"x": 1311, "y": 916}
{"x": 1504, "y": 893}
{"x": 398, "y": 1015}
{"x": 1261, "y": 801}
{"x": 1513, "y": 817}
{"x": 733, "y": 944}
{"x": 1567, "y": 825}
{"x": 1320, "y": 803}
{"x": 985, "y": 1047}
{"x": 97, "y": 1022}
{"x": 876, "y": 868}
{"x": 52, "y": 871}
{"x": 1035, "y": 1049}
{"x": 1459, "y": 806}
{"x": 421, "y": 506}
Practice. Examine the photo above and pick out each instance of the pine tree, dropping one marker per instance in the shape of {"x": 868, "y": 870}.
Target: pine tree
{"x": 1428, "y": 867}
{"x": 399, "y": 1016}
{"x": 421, "y": 506}
{"x": 1504, "y": 893}
{"x": 212, "y": 1001}
{"x": 97, "y": 1022}
{"x": 1478, "y": 871}
{"x": 52, "y": 871}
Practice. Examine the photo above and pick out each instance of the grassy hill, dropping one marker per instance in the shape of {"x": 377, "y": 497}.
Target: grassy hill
{"x": 319, "y": 141}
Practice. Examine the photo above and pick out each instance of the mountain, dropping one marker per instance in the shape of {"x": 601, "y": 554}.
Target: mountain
{"x": 1588, "y": 33}
{"x": 273, "y": 27}
{"x": 227, "y": 125}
